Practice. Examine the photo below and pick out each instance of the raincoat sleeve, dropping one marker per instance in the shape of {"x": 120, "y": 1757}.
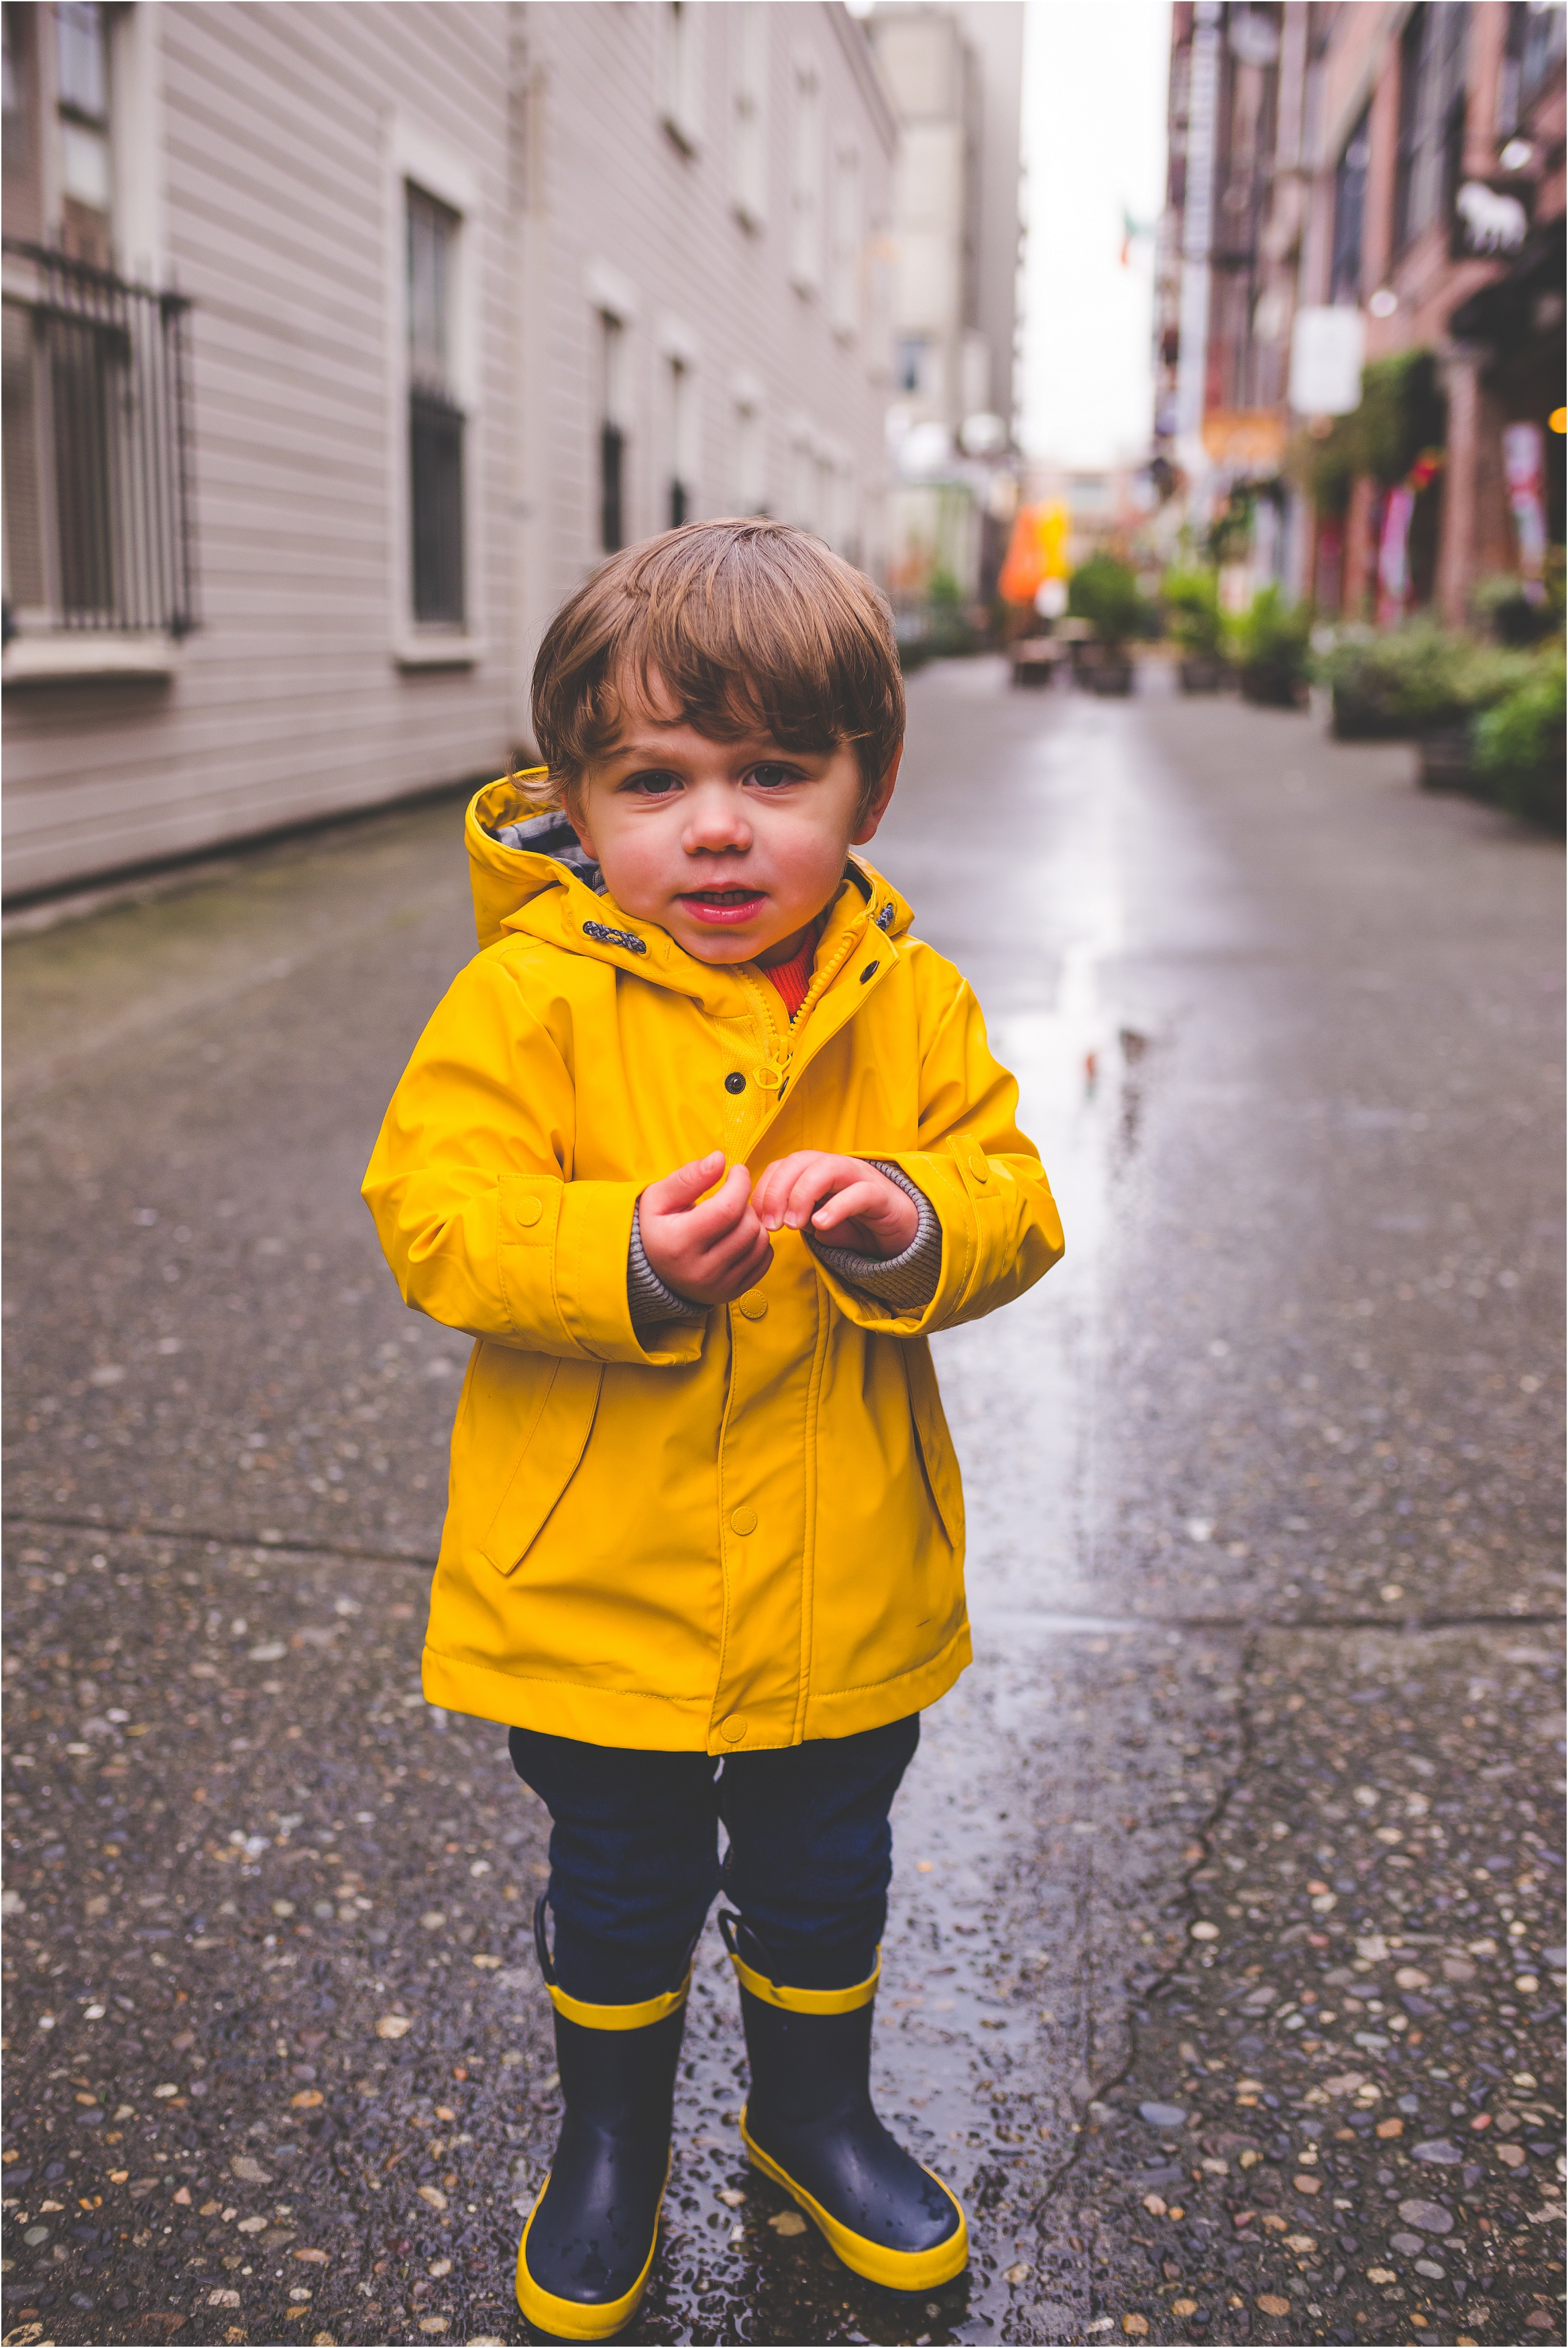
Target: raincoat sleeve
{"x": 1000, "y": 1230}
{"x": 470, "y": 1188}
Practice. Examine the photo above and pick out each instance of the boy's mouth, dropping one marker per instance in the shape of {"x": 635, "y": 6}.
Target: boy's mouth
{"x": 719, "y": 907}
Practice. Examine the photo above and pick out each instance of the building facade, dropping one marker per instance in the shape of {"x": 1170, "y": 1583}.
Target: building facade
{"x": 341, "y": 342}
{"x": 1382, "y": 184}
{"x": 955, "y": 73}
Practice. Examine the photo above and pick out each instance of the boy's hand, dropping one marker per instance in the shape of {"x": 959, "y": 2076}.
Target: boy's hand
{"x": 843, "y": 1200}
{"x": 710, "y": 1254}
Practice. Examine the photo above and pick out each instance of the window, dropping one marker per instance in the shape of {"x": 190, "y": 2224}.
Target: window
{"x": 750, "y": 457}
{"x": 19, "y": 157}
{"x": 843, "y": 287}
{"x": 682, "y": 444}
{"x": 1432, "y": 115}
{"x": 1536, "y": 40}
{"x": 82, "y": 69}
{"x": 911, "y": 371}
{"x": 1349, "y": 214}
{"x": 806, "y": 181}
{"x": 434, "y": 419}
{"x": 93, "y": 375}
{"x": 679, "y": 72}
{"x": 612, "y": 433}
{"x": 748, "y": 126}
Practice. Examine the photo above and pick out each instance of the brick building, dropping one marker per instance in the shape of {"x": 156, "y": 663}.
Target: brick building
{"x": 1404, "y": 163}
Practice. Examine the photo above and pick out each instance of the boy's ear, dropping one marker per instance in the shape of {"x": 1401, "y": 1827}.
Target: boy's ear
{"x": 581, "y": 827}
{"x": 878, "y": 808}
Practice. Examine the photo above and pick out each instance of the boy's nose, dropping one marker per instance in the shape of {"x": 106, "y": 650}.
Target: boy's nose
{"x": 716, "y": 825}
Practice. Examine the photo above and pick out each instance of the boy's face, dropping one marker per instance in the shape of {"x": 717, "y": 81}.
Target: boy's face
{"x": 734, "y": 847}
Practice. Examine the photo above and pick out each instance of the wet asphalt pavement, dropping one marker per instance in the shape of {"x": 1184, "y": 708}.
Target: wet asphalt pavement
{"x": 1223, "y": 1973}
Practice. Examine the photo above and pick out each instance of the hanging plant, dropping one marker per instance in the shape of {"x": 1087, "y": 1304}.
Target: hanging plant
{"x": 1396, "y": 436}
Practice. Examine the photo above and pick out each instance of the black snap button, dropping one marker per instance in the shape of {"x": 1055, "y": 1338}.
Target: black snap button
{"x": 734, "y": 1082}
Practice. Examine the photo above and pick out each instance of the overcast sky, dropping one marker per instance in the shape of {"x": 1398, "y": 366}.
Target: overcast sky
{"x": 1094, "y": 143}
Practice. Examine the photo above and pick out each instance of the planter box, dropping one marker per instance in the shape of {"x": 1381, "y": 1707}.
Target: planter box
{"x": 1444, "y": 755}
{"x": 1534, "y": 794}
{"x": 1360, "y": 717}
{"x": 1203, "y": 673}
{"x": 1111, "y": 677}
{"x": 1268, "y": 689}
{"x": 1036, "y": 661}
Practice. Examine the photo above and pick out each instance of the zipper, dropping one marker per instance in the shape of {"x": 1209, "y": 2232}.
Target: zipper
{"x": 822, "y": 980}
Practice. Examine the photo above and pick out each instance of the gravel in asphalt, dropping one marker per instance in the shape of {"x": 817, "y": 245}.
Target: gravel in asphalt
{"x": 1224, "y": 1969}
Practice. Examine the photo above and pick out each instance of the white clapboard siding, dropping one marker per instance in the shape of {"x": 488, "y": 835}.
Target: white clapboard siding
{"x": 275, "y": 122}
{"x": 287, "y": 704}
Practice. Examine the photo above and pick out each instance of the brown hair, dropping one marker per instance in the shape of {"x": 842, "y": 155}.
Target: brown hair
{"x": 752, "y": 626}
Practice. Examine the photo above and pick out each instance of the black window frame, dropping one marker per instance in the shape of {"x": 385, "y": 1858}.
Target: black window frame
{"x": 1347, "y": 262}
{"x": 1429, "y": 149}
{"x": 437, "y": 423}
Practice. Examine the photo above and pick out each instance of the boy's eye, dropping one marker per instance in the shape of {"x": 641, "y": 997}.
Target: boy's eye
{"x": 655, "y": 784}
{"x": 770, "y": 775}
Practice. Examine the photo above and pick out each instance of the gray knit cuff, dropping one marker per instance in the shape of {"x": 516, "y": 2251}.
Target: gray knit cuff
{"x": 902, "y": 1283}
{"x": 650, "y": 1300}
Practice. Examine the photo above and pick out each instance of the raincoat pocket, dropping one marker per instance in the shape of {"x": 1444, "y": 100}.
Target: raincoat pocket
{"x": 546, "y": 1459}
{"x": 941, "y": 1461}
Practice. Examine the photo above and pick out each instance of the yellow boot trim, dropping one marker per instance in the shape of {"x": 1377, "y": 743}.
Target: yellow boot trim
{"x": 576, "y": 2319}
{"x": 619, "y": 2017}
{"x": 807, "y": 2000}
{"x": 897, "y": 2270}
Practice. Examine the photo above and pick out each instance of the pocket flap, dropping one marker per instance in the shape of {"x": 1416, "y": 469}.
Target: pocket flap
{"x": 546, "y": 1463}
{"x": 935, "y": 1443}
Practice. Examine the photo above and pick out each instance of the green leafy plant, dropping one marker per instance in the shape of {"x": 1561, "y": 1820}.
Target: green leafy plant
{"x": 1403, "y": 413}
{"x": 1272, "y": 643}
{"x": 1106, "y": 594}
{"x": 1520, "y": 747}
{"x": 1501, "y": 606}
{"x": 1414, "y": 680}
{"x": 1191, "y": 599}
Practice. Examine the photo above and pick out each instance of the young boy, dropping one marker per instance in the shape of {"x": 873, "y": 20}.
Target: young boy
{"x": 699, "y": 1149}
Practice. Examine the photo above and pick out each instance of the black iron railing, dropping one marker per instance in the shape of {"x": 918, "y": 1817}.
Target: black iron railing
{"x": 97, "y": 450}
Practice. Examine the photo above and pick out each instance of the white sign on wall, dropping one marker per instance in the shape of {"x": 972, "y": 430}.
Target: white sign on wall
{"x": 1328, "y": 350}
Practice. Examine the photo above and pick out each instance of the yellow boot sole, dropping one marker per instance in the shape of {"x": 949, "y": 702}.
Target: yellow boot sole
{"x": 895, "y": 2269}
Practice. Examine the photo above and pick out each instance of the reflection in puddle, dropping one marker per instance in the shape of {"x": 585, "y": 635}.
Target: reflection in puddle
{"x": 985, "y": 2028}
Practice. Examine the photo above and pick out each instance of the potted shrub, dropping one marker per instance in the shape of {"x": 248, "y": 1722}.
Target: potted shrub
{"x": 1503, "y": 606}
{"x": 1421, "y": 683}
{"x": 1443, "y": 682}
{"x": 1273, "y": 641}
{"x": 1192, "y": 601}
{"x": 1105, "y": 593}
{"x": 949, "y": 633}
{"x": 1519, "y": 747}
{"x": 1362, "y": 697}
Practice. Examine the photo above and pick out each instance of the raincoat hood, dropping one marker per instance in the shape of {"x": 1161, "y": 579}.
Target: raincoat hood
{"x": 529, "y": 873}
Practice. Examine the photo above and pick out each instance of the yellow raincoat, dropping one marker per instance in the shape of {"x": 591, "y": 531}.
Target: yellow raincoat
{"x": 745, "y": 1530}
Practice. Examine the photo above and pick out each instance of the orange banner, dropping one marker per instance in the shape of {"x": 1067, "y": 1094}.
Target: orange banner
{"x": 1037, "y": 551}
{"x": 1244, "y": 435}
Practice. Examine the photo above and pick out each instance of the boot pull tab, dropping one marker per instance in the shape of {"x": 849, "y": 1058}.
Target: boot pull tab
{"x": 541, "y": 1944}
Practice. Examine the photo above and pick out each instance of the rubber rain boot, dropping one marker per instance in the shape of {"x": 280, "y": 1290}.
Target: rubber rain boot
{"x": 589, "y": 2244}
{"x": 809, "y": 2125}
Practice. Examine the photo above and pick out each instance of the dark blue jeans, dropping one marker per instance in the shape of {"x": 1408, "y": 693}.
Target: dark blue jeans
{"x": 634, "y": 1855}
